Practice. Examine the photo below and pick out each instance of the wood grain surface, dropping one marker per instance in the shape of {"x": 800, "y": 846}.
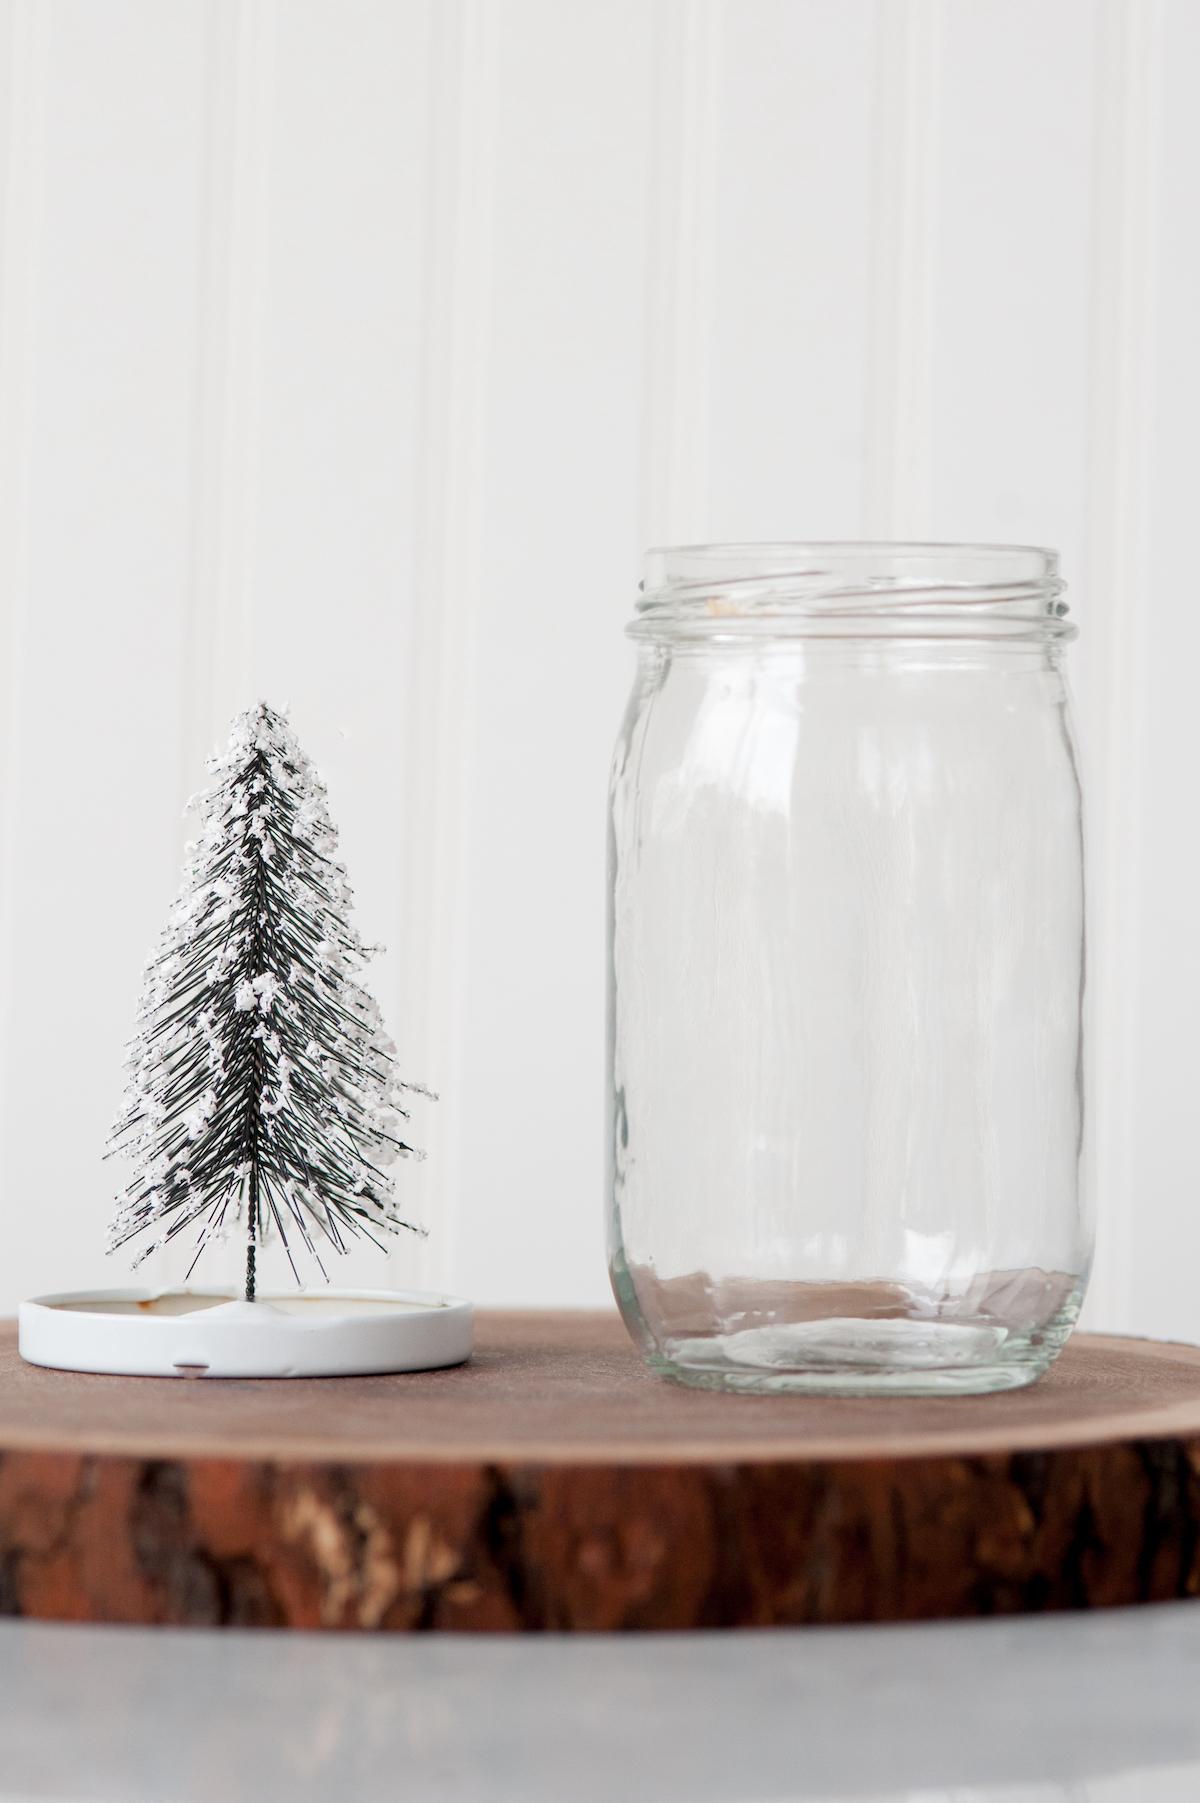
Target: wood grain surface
{"x": 555, "y": 1483}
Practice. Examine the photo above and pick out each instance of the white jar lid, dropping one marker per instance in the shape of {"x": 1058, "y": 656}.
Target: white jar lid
{"x": 215, "y": 1333}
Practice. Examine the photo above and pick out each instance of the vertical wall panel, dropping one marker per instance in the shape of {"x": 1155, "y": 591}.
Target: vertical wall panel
{"x": 1160, "y": 848}
{"x": 680, "y": 269}
{"x": 449, "y": 579}
{"x": 558, "y": 554}
{"x": 23, "y": 34}
{"x": 906, "y": 139}
{"x": 790, "y": 271}
{"x": 1012, "y": 356}
{"x": 1009, "y": 341}
{"x": 96, "y": 827}
{"x": 1115, "y": 699}
{"x": 233, "y": 248}
{"x": 339, "y": 367}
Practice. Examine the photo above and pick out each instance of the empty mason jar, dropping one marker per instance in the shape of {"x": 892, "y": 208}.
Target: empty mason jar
{"x": 847, "y": 967}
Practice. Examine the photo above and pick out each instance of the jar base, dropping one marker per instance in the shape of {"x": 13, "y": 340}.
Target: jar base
{"x": 980, "y": 1380}
{"x": 850, "y": 1356}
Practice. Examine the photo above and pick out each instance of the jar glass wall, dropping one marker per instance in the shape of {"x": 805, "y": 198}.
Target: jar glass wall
{"x": 846, "y": 970}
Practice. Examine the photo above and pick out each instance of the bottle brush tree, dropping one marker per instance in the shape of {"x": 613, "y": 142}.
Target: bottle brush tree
{"x": 262, "y": 1092}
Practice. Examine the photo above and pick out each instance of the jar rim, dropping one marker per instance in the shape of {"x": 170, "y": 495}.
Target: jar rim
{"x": 852, "y": 588}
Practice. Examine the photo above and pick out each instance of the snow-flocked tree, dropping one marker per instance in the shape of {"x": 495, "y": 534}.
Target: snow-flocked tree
{"x": 262, "y": 1090}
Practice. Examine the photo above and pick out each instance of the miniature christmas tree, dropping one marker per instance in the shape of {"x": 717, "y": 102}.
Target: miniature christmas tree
{"x": 262, "y": 1088}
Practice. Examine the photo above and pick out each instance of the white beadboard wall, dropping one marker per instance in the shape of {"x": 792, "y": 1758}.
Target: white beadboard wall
{"x": 350, "y": 351}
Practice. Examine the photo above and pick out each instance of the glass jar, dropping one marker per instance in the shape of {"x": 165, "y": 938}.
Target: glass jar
{"x": 847, "y": 970}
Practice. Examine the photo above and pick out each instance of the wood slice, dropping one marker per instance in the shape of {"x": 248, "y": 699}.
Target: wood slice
{"x": 555, "y": 1483}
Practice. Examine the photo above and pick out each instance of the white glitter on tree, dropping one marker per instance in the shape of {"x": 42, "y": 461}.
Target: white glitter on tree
{"x": 262, "y": 1090}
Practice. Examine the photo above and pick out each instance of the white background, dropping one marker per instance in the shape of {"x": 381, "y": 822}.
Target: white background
{"x": 350, "y": 351}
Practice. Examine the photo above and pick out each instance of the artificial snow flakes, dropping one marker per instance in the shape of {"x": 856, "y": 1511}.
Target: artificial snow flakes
{"x": 266, "y": 988}
{"x": 261, "y": 1088}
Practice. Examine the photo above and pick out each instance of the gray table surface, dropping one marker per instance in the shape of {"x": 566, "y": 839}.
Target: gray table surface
{"x": 1101, "y": 1706}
